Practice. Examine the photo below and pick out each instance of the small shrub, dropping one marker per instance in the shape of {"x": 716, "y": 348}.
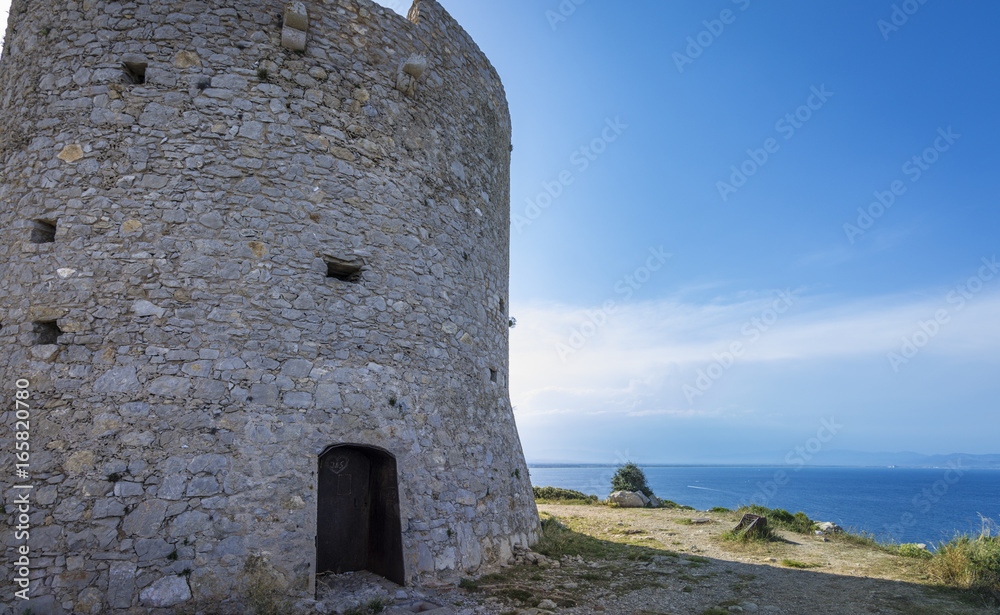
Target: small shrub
{"x": 719, "y": 509}
{"x": 555, "y": 493}
{"x": 760, "y": 536}
{"x": 262, "y": 594}
{"x": 630, "y": 477}
{"x": 376, "y": 605}
{"x": 970, "y": 563}
{"x": 469, "y": 585}
{"x": 782, "y": 516}
{"x": 861, "y": 539}
{"x": 799, "y": 522}
{"x": 912, "y": 550}
{"x": 520, "y": 595}
{"x": 795, "y": 564}
{"x": 262, "y": 74}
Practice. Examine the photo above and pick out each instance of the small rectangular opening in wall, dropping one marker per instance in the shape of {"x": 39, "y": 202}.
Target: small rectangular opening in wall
{"x": 134, "y": 72}
{"x": 46, "y": 332}
{"x": 43, "y": 231}
{"x": 345, "y": 271}
{"x": 493, "y": 375}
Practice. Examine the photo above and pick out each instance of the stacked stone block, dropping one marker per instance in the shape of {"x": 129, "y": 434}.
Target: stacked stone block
{"x": 222, "y": 255}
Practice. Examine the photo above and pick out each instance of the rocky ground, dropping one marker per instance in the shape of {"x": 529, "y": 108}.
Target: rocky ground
{"x": 649, "y": 562}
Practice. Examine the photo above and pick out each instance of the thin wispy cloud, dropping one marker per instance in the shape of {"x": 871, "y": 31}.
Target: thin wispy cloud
{"x": 638, "y": 361}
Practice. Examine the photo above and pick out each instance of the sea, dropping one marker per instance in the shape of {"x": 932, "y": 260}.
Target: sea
{"x": 902, "y": 505}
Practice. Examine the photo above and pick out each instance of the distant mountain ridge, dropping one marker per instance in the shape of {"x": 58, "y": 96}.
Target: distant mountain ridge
{"x": 907, "y": 460}
{"x": 904, "y": 459}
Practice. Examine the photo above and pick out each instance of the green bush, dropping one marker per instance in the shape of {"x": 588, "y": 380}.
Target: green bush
{"x": 760, "y": 536}
{"x": 782, "y": 516}
{"x": 791, "y": 563}
{"x": 779, "y": 517}
{"x": 469, "y": 584}
{"x": 555, "y": 493}
{"x": 802, "y": 524}
{"x": 862, "y": 538}
{"x": 262, "y": 593}
{"x": 912, "y": 550}
{"x": 966, "y": 562}
{"x": 630, "y": 477}
{"x": 970, "y": 563}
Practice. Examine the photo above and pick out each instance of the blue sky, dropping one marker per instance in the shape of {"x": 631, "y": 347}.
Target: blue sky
{"x": 596, "y": 384}
{"x": 674, "y": 308}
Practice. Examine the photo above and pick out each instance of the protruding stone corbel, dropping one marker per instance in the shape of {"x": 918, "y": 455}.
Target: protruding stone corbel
{"x": 409, "y": 71}
{"x": 295, "y": 26}
{"x": 344, "y": 269}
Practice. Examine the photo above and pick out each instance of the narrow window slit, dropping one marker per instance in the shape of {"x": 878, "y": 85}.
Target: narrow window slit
{"x": 493, "y": 375}
{"x": 345, "y": 271}
{"x": 134, "y": 72}
{"x": 46, "y": 332}
{"x": 43, "y": 231}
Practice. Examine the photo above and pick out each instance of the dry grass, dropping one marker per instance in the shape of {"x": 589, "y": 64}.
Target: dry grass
{"x": 971, "y": 563}
{"x": 263, "y": 594}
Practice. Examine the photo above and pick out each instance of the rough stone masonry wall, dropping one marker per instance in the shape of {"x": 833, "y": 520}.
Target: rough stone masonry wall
{"x": 206, "y": 359}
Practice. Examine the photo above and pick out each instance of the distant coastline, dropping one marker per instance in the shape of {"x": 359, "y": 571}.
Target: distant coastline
{"x": 918, "y": 505}
{"x": 833, "y": 459}
{"x": 760, "y": 465}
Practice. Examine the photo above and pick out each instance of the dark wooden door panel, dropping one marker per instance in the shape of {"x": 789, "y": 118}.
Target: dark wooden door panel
{"x": 344, "y": 515}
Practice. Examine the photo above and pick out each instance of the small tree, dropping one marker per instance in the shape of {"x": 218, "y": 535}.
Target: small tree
{"x": 630, "y": 477}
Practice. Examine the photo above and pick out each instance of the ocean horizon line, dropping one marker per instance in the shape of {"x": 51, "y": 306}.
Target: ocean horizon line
{"x": 898, "y": 466}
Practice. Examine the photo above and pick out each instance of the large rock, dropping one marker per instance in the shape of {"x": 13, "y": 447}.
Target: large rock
{"x": 121, "y": 584}
{"x": 144, "y": 521}
{"x": 165, "y": 592}
{"x": 117, "y": 380}
{"x": 42, "y": 605}
{"x": 828, "y": 527}
{"x": 627, "y": 499}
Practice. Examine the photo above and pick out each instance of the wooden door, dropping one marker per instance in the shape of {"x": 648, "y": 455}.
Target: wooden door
{"x": 344, "y": 511}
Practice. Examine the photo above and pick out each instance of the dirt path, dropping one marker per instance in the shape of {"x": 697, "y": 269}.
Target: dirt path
{"x": 706, "y": 573}
{"x": 671, "y": 562}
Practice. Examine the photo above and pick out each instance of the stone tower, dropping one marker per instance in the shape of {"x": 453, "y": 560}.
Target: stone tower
{"x": 253, "y": 285}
